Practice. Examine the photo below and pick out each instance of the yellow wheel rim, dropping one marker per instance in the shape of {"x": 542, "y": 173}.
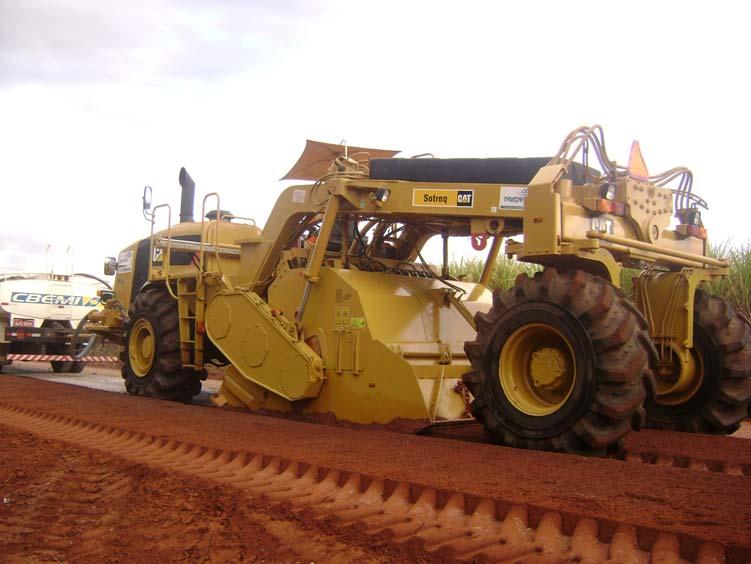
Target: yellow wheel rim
{"x": 141, "y": 347}
{"x": 537, "y": 369}
{"x": 669, "y": 374}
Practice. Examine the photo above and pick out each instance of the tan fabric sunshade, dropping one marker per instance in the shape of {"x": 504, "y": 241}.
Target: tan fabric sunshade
{"x": 317, "y": 157}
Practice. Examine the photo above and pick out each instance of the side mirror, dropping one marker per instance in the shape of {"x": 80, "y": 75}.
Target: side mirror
{"x": 146, "y": 199}
{"x": 110, "y": 266}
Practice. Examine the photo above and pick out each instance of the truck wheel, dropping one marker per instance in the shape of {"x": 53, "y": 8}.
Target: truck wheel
{"x": 61, "y": 366}
{"x": 151, "y": 359}
{"x": 559, "y": 363}
{"x": 718, "y": 400}
{"x": 58, "y": 366}
{"x": 67, "y": 366}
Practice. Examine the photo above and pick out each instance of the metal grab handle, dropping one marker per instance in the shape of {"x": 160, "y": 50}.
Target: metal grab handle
{"x": 205, "y": 233}
{"x": 167, "y": 257}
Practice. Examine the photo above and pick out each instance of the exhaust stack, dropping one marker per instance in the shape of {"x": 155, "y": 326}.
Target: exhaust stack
{"x": 187, "y": 198}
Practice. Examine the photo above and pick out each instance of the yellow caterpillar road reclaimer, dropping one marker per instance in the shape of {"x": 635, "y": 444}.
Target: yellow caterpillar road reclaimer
{"x": 331, "y": 308}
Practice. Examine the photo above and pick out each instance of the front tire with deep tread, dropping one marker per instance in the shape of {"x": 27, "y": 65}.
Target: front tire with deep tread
{"x": 613, "y": 354}
{"x": 166, "y": 378}
{"x": 722, "y": 339}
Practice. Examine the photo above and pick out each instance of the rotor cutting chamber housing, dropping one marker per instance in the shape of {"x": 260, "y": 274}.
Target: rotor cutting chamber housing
{"x": 392, "y": 347}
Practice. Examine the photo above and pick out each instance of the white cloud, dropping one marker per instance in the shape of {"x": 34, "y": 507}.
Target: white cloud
{"x": 97, "y": 100}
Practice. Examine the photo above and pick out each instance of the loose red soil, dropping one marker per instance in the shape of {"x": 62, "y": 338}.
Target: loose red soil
{"x": 62, "y": 503}
{"x": 695, "y": 505}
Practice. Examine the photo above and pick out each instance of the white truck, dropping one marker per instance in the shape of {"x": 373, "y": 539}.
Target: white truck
{"x": 39, "y": 314}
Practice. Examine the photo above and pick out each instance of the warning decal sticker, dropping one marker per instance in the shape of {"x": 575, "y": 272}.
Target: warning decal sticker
{"x": 125, "y": 262}
{"x": 513, "y": 197}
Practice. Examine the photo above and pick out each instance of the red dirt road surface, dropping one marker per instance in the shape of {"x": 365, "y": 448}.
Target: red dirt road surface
{"x": 87, "y": 475}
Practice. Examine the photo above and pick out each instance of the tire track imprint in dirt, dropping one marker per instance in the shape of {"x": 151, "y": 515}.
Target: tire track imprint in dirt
{"x": 698, "y": 464}
{"x": 472, "y": 433}
{"x": 57, "y": 518}
{"x": 63, "y": 503}
{"x": 442, "y": 522}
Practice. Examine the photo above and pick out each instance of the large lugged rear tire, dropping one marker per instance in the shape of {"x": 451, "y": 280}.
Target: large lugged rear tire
{"x": 151, "y": 360}
{"x": 560, "y": 363}
{"x": 720, "y": 401}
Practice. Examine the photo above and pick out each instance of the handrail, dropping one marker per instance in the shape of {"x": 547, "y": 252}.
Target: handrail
{"x": 195, "y": 246}
{"x": 167, "y": 257}
{"x": 205, "y": 233}
{"x": 656, "y": 249}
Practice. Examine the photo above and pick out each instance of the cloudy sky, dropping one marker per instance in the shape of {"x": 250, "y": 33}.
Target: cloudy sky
{"x": 98, "y": 99}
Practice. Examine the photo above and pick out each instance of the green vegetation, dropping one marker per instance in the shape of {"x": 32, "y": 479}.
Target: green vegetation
{"x": 504, "y": 274}
{"x": 736, "y": 288}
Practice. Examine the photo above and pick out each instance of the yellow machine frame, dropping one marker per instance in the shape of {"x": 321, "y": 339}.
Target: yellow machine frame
{"x": 269, "y": 319}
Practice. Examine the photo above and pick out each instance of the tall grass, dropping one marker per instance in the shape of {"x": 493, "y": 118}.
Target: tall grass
{"x": 503, "y": 276}
{"x": 736, "y": 288}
